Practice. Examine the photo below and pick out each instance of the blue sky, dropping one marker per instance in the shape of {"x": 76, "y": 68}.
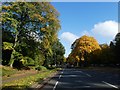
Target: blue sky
{"x": 64, "y": 0}
{"x": 97, "y": 19}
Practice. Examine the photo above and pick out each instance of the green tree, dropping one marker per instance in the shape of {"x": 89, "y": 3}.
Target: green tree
{"x": 31, "y": 26}
{"x": 106, "y": 56}
{"x": 58, "y": 53}
{"x": 117, "y": 48}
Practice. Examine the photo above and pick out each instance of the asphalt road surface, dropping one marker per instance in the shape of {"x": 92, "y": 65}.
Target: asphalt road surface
{"x": 80, "y": 79}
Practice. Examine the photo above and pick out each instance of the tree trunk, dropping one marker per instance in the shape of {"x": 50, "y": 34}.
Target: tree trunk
{"x": 12, "y": 55}
{"x": 45, "y": 62}
{"x": 12, "y": 59}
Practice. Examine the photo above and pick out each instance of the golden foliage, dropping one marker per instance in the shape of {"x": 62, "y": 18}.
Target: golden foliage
{"x": 38, "y": 16}
{"x": 83, "y": 46}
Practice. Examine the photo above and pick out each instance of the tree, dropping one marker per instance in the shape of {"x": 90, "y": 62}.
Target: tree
{"x": 58, "y": 53}
{"x": 117, "y": 48}
{"x": 82, "y": 48}
{"x": 117, "y": 52}
{"x": 32, "y": 28}
{"x": 106, "y": 55}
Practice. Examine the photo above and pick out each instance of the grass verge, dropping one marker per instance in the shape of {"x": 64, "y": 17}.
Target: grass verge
{"x": 26, "y": 82}
{"x": 7, "y": 71}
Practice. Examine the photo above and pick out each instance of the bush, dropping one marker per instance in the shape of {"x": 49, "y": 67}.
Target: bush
{"x": 39, "y": 59}
{"x": 30, "y": 61}
{"x": 19, "y": 61}
{"x": 41, "y": 68}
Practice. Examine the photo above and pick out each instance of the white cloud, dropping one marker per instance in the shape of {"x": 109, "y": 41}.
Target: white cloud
{"x": 105, "y": 30}
{"x": 68, "y": 37}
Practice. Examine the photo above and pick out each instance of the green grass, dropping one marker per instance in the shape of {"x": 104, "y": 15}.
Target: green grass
{"x": 7, "y": 71}
{"x": 26, "y": 82}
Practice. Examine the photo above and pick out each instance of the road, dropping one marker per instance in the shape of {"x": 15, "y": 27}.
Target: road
{"x": 80, "y": 79}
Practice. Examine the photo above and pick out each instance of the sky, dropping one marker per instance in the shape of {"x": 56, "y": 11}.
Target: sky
{"x": 63, "y": 0}
{"x": 97, "y": 19}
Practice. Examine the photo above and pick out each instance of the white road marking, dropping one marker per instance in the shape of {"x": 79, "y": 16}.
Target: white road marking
{"x": 55, "y": 85}
{"x": 88, "y": 75}
{"x": 86, "y": 86}
{"x": 57, "y": 81}
{"x": 72, "y": 75}
{"x": 110, "y": 85}
{"x": 62, "y": 71}
{"x": 60, "y": 76}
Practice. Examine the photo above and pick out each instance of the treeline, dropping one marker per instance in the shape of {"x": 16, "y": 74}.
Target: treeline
{"x": 29, "y": 34}
{"x": 87, "y": 52}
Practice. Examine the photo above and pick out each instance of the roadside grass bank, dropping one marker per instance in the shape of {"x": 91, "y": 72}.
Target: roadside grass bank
{"x": 26, "y": 82}
{"x": 7, "y": 71}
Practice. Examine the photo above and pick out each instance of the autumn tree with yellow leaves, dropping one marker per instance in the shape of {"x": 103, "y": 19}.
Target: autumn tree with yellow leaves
{"x": 82, "y": 49}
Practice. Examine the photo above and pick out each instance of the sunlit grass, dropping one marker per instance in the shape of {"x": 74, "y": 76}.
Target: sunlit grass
{"x": 7, "y": 71}
{"x": 28, "y": 81}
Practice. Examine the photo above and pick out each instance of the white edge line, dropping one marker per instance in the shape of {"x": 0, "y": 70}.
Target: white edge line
{"x": 57, "y": 81}
{"x": 60, "y": 76}
{"x": 55, "y": 85}
{"x": 110, "y": 84}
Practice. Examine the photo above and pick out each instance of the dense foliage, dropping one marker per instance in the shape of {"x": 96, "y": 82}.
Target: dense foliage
{"x": 29, "y": 38}
{"x": 115, "y": 48}
{"x": 82, "y": 48}
{"x": 86, "y": 51}
{"x": 29, "y": 31}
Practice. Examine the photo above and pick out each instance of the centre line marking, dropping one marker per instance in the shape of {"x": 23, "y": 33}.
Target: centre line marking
{"x": 110, "y": 85}
{"x": 55, "y": 85}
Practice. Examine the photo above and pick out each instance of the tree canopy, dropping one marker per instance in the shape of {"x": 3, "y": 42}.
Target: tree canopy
{"x": 29, "y": 29}
{"x": 82, "y": 47}
{"x": 86, "y": 51}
